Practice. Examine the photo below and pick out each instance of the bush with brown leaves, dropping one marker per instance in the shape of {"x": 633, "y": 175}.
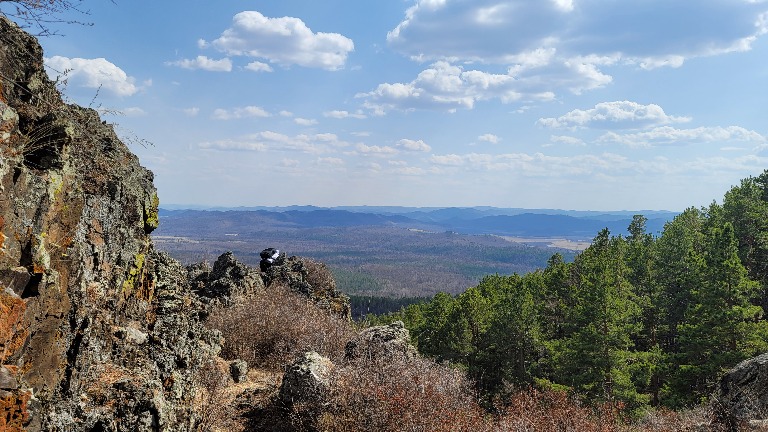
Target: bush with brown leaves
{"x": 269, "y": 328}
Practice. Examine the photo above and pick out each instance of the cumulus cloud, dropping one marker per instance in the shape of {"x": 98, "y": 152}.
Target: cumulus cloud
{"x": 375, "y": 150}
{"x": 275, "y": 141}
{"x": 230, "y": 145}
{"x": 413, "y": 145}
{"x": 285, "y": 41}
{"x": 448, "y": 86}
{"x": 568, "y": 140}
{"x": 191, "y": 112}
{"x": 490, "y": 138}
{"x": 204, "y": 63}
{"x": 614, "y": 115}
{"x": 92, "y": 73}
{"x": 257, "y": 66}
{"x": 551, "y": 46}
{"x": 344, "y": 114}
{"x": 447, "y": 160}
{"x": 304, "y": 122}
{"x": 653, "y": 33}
{"x": 239, "y": 113}
{"x": 667, "y": 135}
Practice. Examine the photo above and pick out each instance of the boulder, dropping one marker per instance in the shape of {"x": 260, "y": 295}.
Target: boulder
{"x": 381, "y": 343}
{"x": 742, "y": 396}
{"x": 305, "y": 382}
{"x": 238, "y": 369}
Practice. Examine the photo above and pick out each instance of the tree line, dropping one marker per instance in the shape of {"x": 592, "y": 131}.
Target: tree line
{"x": 641, "y": 319}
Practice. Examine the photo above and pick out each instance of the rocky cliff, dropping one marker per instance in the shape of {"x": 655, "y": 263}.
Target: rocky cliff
{"x": 98, "y": 331}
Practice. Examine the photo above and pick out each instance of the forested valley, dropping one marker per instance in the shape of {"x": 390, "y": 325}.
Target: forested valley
{"x": 638, "y": 320}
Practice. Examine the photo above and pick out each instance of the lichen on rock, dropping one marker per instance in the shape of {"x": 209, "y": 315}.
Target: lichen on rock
{"x": 98, "y": 330}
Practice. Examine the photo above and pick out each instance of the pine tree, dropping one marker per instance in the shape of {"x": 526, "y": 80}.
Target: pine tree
{"x": 595, "y": 359}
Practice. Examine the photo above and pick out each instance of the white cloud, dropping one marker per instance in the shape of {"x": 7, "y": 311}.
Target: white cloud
{"x": 257, "y": 66}
{"x": 447, "y": 160}
{"x": 375, "y": 150}
{"x": 651, "y": 33}
{"x": 344, "y": 114}
{"x": 414, "y": 145}
{"x": 491, "y": 138}
{"x": 204, "y": 63}
{"x": 92, "y": 73}
{"x": 191, "y": 112}
{"x": 568, "y": 140}
{"x": 133, "y": 112}
{"x": 274, "y": 141}
{"x": 614, "y": 115}
{"x": 239, "y": 113}
{"x": 285, "y": 41}
{"x": 226, "y": 145}
{"x": 558, "y": 45}
{"x": 447, "y": 86}
{"x": 594, "y": 166}
{"x": 304, "y": 122}
{"x": 289, "y": 163}
{"x": 286, "y": 113}
{"x": 667, "y": 135}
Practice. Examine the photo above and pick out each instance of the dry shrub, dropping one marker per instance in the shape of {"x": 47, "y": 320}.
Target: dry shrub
{"x": 697, "y": 419}
{"x": 318, "y": 275}
{"x": 402, "y": 395}
{"x": 269, "y": 328}
{"x": 549, "y": 410}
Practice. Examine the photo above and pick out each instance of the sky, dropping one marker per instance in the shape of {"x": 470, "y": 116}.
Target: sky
{"x": 566, "y": 104}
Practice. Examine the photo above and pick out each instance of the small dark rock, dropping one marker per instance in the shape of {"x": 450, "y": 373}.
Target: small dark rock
{"x": 239, "y": 370}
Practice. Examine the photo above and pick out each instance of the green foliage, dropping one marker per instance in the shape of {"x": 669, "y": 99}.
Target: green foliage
{"x": 638, "y": 320}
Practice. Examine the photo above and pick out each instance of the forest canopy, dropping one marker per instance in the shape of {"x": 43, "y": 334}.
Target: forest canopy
{"x": 643, "y": 319}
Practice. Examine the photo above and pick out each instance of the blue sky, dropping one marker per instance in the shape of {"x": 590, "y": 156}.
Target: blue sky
{"x": 572, "y": 104}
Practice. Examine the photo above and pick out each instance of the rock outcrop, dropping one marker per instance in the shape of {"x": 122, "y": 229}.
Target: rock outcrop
{"x": 311, "y": 279}
{"x": 98, "y": 331}
{"x": 743, "y": 393}
{"x": 229, "y": 278}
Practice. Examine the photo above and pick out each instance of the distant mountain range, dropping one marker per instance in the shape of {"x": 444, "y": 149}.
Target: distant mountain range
{"x": 568, "y": 224}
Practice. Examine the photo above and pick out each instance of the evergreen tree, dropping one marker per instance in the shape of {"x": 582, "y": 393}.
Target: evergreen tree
{"x": 595, "y": 359}
{"x": 721, "y": 327}
{"x": 510, "y": 346}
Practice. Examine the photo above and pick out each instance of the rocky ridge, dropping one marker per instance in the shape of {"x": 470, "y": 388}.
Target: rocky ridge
{"x": 98, "y": 330}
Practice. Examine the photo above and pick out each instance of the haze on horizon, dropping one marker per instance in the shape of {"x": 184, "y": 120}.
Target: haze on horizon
{"x": 566, "y": 104}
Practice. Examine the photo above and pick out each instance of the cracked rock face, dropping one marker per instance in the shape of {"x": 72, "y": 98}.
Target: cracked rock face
{"x": 743, "y": 392}
{"x": 98, "y": 331}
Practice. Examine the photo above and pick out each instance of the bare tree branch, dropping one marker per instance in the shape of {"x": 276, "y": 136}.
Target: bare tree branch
{"x": 38, "y": 16}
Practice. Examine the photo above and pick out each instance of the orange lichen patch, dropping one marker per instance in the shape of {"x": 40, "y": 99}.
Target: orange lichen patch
{"x": 13, "y": 332}
{"x": 108, "y": 375}
{"x": 13, "y": 411}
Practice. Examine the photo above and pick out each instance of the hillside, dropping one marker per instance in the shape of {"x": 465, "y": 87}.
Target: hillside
{"x": 395, "y": 252}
